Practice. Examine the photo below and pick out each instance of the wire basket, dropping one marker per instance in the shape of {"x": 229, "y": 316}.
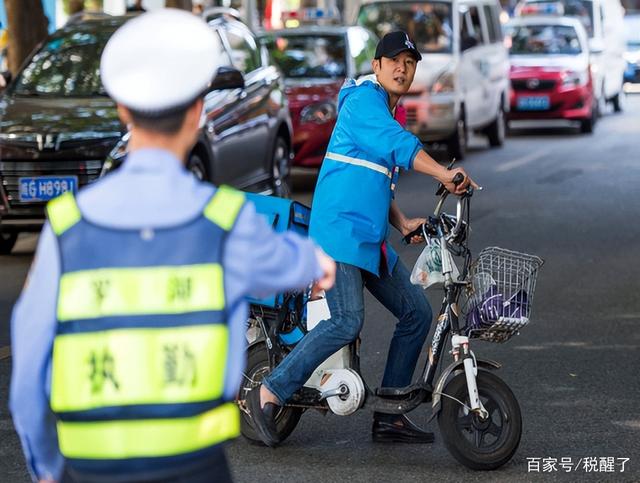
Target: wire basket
{"x": 500, "y": 294}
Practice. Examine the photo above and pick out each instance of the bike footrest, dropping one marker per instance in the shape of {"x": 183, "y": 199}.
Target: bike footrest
{"x": 306, "y": 396}
{"x": 400, "y": 391}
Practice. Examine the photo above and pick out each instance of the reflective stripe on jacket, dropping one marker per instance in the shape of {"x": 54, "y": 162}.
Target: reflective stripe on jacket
{"x": 140, "y": 352}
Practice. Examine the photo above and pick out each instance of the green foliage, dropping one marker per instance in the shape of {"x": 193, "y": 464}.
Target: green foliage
{"x": 74, "y": 6}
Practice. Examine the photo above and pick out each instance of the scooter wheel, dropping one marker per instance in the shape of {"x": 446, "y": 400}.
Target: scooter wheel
{"x": 257, "y": 369}
{"x": 476, "y": 443}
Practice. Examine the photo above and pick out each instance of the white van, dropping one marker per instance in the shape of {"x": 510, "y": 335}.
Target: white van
{"x": 604, "y": 22}
{"x": 462, "y": 82}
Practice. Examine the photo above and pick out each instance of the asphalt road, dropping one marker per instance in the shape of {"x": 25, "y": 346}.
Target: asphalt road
{"x": 569, "y": 198}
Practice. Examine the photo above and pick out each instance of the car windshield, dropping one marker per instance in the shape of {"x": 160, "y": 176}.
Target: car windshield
{"x": 544, "y": 39}
{"x": 309, "y": 56}
{"x": 580, "y": 9}
{"x": 427, "y": 23}
{"x": 66, "y": 66}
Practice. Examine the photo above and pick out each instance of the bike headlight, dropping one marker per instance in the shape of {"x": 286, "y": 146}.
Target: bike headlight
{"x": 319, "y": 113}
{"x": 572, "y": 78}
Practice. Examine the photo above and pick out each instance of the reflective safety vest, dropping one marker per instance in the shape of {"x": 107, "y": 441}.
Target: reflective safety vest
{"x": 139, "y": 357}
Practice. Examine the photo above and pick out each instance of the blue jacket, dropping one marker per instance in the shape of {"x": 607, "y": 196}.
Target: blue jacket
{"x": 350, "y": 215}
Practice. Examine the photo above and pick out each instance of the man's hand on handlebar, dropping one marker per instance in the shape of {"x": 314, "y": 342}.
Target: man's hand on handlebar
{"x": 447, "y": 180}
{"x": 413, "y": 225}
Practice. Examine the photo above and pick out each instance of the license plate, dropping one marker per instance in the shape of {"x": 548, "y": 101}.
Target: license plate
{"x": 44, "y": 188}
{"x": 534, "y": 103}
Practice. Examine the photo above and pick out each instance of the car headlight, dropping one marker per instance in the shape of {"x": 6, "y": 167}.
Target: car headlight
{"x": 571, "y": 78}
{"x": 444, "y": 83}
{"x": 633, "y": 58}
{"x": 319, "y": 113}
{"x": 116, "y": 156}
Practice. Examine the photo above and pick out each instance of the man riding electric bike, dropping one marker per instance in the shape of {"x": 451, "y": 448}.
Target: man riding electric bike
{"x": 352, "y": 208}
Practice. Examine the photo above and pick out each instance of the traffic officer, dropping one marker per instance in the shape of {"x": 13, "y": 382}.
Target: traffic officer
{"x": 352, "y": 208}
{"x": 128, "y": 339}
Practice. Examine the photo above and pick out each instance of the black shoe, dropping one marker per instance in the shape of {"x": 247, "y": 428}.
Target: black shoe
{"x": 263, "y": 418}
{"x": 406, "y": 432}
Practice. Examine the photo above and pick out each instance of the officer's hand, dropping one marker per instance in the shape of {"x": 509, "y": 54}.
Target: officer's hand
{"x": 458, "y": 190}
{"x": 413, "y": 224}
{"x": 328, "y": 267}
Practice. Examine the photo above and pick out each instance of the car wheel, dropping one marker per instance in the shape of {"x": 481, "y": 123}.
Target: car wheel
{"x": 7, "y": 242}
{"x": 457, "y": 144}
{"x": 496, "y": 131}
{"x": 586, "y": 125}
{"x": 618, "y": 101}
{"x": 281, "y": 169}
{"x": 601, "y": 104}
{"x": 196, "y": 166}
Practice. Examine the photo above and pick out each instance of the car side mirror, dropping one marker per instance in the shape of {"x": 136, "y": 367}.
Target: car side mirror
{"x": 5, "y": 79}
{"x": 468, "y": 42}
{"x": 227, "y": 78}
{"x": 596, "y": 46}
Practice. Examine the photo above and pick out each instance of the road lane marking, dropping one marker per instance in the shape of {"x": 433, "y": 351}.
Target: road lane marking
{"x": 5, "y": 352}
{"x": 521, "y": 161}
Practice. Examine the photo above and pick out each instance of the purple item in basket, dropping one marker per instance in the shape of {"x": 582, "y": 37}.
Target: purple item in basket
{"x": 517, "y": 306}
{"x": 487, "y": 311}
{"x": 492, "y": 305}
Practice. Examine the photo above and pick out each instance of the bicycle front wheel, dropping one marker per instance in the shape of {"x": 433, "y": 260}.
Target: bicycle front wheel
{"x": 480, "y": 444}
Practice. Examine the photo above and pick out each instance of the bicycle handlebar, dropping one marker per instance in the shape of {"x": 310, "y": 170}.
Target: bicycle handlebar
{"x": 443, "y": 193}
{"x": 457, "y": 179}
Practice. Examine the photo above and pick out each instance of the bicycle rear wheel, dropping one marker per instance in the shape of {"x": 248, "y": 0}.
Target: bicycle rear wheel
{"x": 257, "y": 369}
{"x": 480, "y": 444}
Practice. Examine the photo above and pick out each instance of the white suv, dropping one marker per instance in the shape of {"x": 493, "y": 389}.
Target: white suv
{"x": 462, "y": 82}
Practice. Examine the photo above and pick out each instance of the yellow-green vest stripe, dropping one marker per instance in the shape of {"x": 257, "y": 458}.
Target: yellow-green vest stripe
{"x": 63, "y": 213}
{"x": 148, "y": 438}
{"x": 89, "y": 294}
{"x": 138, "y": 366}
{"x": 224, "y": 207}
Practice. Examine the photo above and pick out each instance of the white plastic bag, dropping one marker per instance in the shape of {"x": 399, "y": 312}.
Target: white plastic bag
{"x": 428, "y": 268}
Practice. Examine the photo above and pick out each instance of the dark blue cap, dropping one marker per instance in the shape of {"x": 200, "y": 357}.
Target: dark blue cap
{"x": 395, "y": 42}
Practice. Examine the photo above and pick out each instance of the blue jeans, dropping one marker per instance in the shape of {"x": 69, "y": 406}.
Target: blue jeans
{"x": 346, "y": 304}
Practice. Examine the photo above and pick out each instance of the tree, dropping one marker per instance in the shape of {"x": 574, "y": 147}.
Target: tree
{"x": 183, "y": 4}
{"x": 27, "y": 27}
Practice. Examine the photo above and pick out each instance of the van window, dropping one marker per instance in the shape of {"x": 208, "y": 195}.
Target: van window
{"x": 427, "y": 23}
{"x": 493, "y": 24}
{"x": 476, "y": 25}
{"x": 545, "y": 39}
{"x": 581, "y": 9}
{"x": 471, "y": 30}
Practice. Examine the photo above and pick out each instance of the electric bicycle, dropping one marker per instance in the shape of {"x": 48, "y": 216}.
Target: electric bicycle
{"x": 487, "y": 299}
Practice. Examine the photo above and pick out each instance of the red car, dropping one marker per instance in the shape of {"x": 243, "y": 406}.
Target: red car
{"x": 550, "y": 71}
{"x": 315, "y": 62}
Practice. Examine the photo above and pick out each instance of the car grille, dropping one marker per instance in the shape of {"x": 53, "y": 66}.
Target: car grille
{"x": 11, "y": 172}
{"x": 412, "y": 116}
{"x": 525, "y": 85}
